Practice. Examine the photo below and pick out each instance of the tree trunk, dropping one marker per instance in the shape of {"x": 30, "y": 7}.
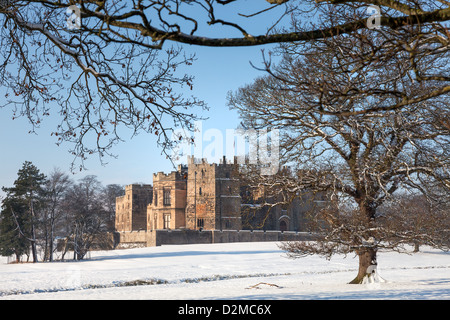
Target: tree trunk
{"x": 50, "y": 253}
{"x": 416, "y": 246}
{"x": 66, "y": 247}
{"x": 51, "y": 240}
{"x": 33, "y": 244}
{"x": 367, "y": 254}
{"x": 33, "y": 231}
{"x": 367, "y": 272}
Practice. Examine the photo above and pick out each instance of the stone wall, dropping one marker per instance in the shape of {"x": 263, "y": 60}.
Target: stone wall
{"x": 213, "y": 199}
{"x": 153, "y": 238}
{"x": 167, "y": 237}
{"x": 131, "y": 208}
{"x": 130, "y": 239}
{"x": 169, "y": 200}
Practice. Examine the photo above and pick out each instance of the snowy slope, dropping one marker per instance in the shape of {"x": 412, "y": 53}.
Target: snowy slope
{"x": 224, "y": 271}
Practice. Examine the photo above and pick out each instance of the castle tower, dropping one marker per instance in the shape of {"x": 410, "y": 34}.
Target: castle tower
{"x": 213, "y": 196}
{"x": 131, "y": 208}
{"x": 167, "y": 211}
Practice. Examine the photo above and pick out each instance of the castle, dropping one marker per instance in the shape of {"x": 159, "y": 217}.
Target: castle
{"x": 198, "y": 196}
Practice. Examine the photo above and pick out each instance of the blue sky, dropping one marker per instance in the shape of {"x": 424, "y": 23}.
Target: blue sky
{"x": 216, "y": 71}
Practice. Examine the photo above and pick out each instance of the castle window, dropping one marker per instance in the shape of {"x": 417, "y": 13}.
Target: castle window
{"x": 200, "y": 223}
{"x": 166, "y": 198}
{"x": 200, "y": 191}
{"x": 167, "y": 221}
{"x": 156, "y": 197}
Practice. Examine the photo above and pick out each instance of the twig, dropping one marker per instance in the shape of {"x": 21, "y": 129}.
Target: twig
{"x": 269, "y": 284}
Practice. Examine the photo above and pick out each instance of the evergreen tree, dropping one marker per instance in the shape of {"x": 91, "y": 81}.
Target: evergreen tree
{"x": 28, "y": 191}
{"x": 14, "y": 224}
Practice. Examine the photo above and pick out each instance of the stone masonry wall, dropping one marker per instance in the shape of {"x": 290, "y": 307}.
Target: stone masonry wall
{"x": 213, "y": 196}
{"x": 153, "y": 238}
{"x": 169, "y": 201}
{"x": 131, "y": 208}
{"x": 176, "y": 237}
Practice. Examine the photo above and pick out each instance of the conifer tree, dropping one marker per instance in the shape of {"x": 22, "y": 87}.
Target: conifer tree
{"x": 13, "y": 241}
{"x": 29, "y": 193}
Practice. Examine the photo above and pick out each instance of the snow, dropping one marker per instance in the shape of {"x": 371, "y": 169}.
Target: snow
{"x": 252, "y": 270}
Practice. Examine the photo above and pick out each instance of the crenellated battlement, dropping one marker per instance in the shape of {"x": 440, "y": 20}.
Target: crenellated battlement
{"x": 200, "y": 196}
{"x": 192, "y": 161}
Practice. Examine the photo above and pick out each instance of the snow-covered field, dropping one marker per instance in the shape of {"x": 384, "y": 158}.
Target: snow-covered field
{"x": 225, "y": 271}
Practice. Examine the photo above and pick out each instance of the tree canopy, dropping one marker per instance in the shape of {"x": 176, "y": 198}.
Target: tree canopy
{"x": 106, "y": 65}
{"x": 360, "y": 124}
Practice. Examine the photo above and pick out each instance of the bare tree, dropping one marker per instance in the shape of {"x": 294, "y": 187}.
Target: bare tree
{"x": 107, "y": 65}
{"x": 57, "y": 185}
{"x": 425, "y": 221}
{"x": 109, "y": 195}
{"x": 86, "y": 215}
{"x": 185, "y": 21}
{"x": 95, "y": 83}
{"x": 360, "y": 123}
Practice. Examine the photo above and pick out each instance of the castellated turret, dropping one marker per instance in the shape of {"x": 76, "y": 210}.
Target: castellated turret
{"x": 213, "y": 195}
{"x": 131, "y": 208}
{"x": 208, "y": 196}
{"x": 167, "y": 210}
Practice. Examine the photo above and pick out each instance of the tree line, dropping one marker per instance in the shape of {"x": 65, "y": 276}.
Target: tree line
{"x": 41, "y": 214}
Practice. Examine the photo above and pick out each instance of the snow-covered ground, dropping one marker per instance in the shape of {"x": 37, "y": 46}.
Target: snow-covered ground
{"x": 225, "y": 271}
